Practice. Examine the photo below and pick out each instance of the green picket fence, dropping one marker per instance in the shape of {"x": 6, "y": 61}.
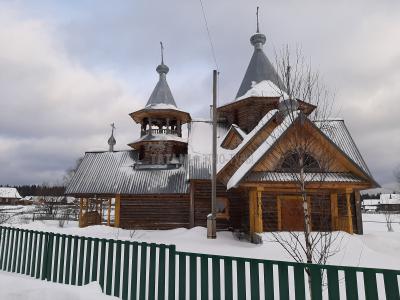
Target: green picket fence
{"x": 132, "y": 270}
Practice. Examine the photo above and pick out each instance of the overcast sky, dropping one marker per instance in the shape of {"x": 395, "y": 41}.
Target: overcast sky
{"x": 70, "y": 68}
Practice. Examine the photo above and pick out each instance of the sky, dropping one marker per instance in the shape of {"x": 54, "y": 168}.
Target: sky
{"x": 70, "y": 68}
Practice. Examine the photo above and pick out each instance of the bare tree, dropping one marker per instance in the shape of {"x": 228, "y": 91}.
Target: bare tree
{"x": 71, "y": 171}
{"x": 305, "y": 104}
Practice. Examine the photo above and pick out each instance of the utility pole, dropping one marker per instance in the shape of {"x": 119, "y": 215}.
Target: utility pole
{"x": 211, "y": 218}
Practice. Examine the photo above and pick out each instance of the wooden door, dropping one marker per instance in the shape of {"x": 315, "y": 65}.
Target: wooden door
{"x": 292, "y": 217}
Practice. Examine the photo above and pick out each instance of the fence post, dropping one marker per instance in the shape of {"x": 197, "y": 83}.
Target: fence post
{"x": 16, "y": 246}
{"x": 3, "y": 240}
{"x": 39, "y": 257}
{"x": 110, "y": 257}
{"x": 49, "y": 256}
{"x": 152, "y": 271}
{"x": 171, "y": 272}
{"x": 143, "y": 270}
{"x": 182, "y": 276}
{"x": 11, "y": 250}
{"x": 33, "y": 264}
{"x": 44, "y": 256}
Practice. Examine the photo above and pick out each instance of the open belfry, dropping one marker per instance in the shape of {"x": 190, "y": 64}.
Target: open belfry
{"x": 163, "y": 180}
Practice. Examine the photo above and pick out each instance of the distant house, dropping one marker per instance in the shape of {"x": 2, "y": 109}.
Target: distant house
{"x": 9, "y": 195}
{"x": 389, "y": 202}
{"x": 370, "y": 205}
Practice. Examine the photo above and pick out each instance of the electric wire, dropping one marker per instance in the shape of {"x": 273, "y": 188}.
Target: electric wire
{"x": 209, "y": 36}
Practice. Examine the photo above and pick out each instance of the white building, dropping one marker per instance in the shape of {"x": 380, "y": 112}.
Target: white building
{"x": 9, "y": 195}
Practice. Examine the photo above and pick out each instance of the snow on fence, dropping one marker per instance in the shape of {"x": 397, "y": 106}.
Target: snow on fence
{"x": 133, "y": 270}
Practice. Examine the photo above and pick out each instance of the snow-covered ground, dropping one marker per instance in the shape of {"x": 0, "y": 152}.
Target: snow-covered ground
{"x": 376, "y": 248}
{"x": 20, "y": 287}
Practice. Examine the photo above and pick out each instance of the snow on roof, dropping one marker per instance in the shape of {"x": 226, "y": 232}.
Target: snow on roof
{"x": 264, "y": 147}
{"x": 200, "y": 137}
{"x": 265, "y": 88}
{"x": 9, "y": 192}
{"x": 225, "y": 155}
{"x": 390, "y": 198}
{"x": 241, "y": 132}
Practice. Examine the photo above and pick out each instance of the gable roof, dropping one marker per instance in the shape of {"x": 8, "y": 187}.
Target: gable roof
{"x": 333, "y": 130}
{"x": 234, "y": 131}
{"x": 337, "y": 132}
{"x": 244, "y": 169}
{"x": 9, "y": 192}
{"x": 113, "y": 173}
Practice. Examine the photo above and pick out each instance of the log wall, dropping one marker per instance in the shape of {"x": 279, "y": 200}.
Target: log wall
{"x": 238, "y": 205}
{"x": 321, "y": 211}
{"x": 154, "y": 211}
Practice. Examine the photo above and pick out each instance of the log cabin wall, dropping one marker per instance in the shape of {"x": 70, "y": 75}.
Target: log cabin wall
{"x": 247, "y": 114}
{"x": 238, "y": 205}
{"x": 321, "y": 213}
{"x": 154, "y": 211}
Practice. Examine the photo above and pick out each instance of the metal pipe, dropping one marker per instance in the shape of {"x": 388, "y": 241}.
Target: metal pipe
{"x": 211, "y": 222}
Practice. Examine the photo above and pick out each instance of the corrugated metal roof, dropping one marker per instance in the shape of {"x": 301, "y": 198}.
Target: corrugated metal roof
{"x": 199, "y": 167}
{"x": 312, "y": 177}
{"x": 114, "y": 173}
{"x": 199, "y": 162}
{"x": 337, "y": 132}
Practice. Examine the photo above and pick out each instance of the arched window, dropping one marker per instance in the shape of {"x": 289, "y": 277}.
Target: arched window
{"x": 291, "y": 163}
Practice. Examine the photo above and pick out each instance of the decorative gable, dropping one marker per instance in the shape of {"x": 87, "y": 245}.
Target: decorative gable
{"x": 233, "y": 138}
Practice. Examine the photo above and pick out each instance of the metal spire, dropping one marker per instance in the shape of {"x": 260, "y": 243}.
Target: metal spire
{"x": 258, "y": 25}
{"x": 162, "y": 53}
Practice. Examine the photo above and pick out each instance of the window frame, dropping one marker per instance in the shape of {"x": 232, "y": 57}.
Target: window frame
{"x": 226, "y": 214}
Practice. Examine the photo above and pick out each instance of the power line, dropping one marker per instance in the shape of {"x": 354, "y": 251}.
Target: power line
{"x": 209, "y": 36}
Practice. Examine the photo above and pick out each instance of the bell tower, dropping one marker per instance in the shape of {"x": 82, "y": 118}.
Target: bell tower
{"x": 161, "y": 141}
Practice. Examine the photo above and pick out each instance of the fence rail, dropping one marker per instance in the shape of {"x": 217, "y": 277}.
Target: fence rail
{"x": 133, "y": 270}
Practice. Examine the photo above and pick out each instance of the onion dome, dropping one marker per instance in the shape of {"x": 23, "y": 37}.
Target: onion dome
{"x": 111, "y": 141}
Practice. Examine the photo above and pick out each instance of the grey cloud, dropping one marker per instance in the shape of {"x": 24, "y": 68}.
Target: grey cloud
{"x": 91, "y": 63}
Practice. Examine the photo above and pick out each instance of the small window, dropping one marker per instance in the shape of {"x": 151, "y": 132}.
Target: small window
{"x": 222, "y": 208}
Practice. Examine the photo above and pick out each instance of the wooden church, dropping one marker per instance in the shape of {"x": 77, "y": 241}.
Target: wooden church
{"x": 164, "y": 180}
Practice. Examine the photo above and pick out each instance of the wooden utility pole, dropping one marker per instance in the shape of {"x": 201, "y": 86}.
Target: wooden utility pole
{"x": 211, "y": 219}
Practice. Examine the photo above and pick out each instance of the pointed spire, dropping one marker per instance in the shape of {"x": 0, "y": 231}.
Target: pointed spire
{"x": 111, "y": 140}
{"x": 260, "y": 68}
{"x": 161, "y": 93}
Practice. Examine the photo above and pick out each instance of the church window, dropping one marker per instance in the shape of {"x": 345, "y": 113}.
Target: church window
{"x": 291, "y": 163}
